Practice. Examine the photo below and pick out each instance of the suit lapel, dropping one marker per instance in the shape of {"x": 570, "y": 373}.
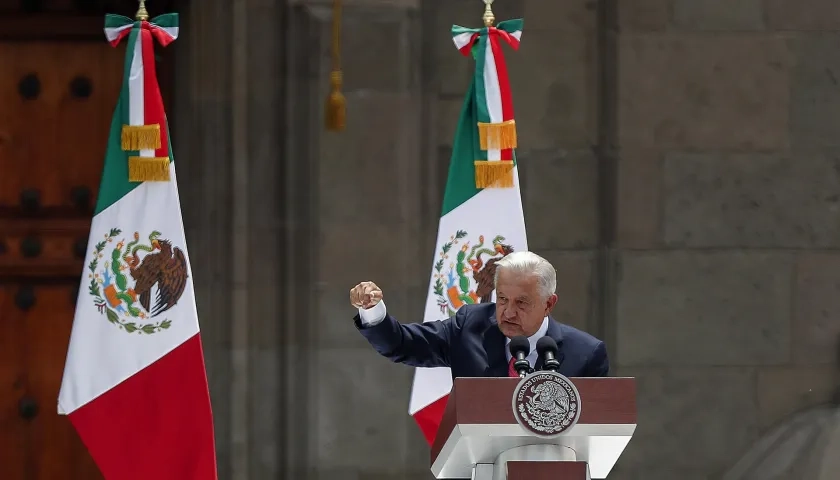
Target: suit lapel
{"x": 494, "y": 346}
{"x": 556, "y": 333}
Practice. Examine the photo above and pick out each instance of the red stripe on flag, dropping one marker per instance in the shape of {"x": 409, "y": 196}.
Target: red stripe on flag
{"x": 504, "y": 82}
{"x": 510, "y": 39}
{"x": 160, "y": 34}
{"x": 466, "y": 49}
{"x": 429, "y": 417}
{"x": 120, "y": 36}
{"x": 152, "y": 101}
{"x": 157, "y": 424}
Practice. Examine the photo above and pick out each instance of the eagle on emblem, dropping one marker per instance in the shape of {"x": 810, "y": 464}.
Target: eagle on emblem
{"x": 485, "y": 278}
{"x": 165, "y": 267}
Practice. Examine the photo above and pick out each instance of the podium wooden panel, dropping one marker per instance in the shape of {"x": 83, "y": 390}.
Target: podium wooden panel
{"x": 546, "y": 470}
{"x": 479, "y": 429}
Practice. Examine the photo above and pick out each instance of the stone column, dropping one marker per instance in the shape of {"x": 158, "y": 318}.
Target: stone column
{"x": 202, "y": 144}
{"x": 364, "y": 223}
{"x": 229, "y": 142}
{"x": 286, "y": 217}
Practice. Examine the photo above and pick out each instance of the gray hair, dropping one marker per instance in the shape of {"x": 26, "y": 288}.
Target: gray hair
{"x": 529, "y": 263}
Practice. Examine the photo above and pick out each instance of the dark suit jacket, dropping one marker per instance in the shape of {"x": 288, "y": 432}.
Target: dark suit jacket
{"x": 471, "y": 344}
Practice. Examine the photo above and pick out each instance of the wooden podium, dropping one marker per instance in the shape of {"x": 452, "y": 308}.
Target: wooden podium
{"x": 544, "y": 426}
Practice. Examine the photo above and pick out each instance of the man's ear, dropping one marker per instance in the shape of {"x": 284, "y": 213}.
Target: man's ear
{"x": 549, "y": 304}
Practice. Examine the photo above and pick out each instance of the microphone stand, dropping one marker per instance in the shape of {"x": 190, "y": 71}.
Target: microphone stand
{"x": 521, "y": 365}
{"x": 550, "y": 363}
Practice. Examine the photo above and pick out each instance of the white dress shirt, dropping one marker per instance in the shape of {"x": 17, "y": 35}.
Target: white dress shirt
{"x": 532, "y": 356}
{"x": 372, "y": 316}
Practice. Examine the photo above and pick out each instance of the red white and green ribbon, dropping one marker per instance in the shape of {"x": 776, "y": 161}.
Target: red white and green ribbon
{"x": 142, "y": 116}
{"x": 493, "y": 102}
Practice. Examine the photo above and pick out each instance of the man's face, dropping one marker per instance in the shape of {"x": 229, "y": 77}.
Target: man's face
{"x": 520, "y": 309}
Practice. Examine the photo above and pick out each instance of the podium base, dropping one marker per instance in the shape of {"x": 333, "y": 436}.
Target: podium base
{"x": 533, "y": 462}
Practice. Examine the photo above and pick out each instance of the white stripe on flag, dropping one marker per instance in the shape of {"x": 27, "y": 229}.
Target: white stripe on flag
{"x": 492, "y": 94}
{"x": 112, "y": 33}
{"x": 171, "y": 31}
{"x": 507, "y": 220}
{"x": 101, "y": 355}
{"x": 136, "y": 100}
{"x": 462, "y": 40}
{"x": 430, "y": 384}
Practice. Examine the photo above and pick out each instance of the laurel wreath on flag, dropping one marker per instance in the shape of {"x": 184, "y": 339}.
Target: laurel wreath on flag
{"x": 102, "y": 305}
{"x": 438, "y": 289}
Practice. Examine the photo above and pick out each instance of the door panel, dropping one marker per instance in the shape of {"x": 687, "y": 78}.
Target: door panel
{"x": 57, "y": 98}
{"x": 38, "y": 248}
{"x": 53, "y": 445}
{"x": 91, "y": 79}
{"x": 12, "y": 387}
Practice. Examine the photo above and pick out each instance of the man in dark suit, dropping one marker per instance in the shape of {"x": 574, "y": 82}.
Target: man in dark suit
{"x": 473, "y": 342}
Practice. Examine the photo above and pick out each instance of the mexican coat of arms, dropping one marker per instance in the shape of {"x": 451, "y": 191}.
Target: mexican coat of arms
{"x": 468, "y": 278}
{"x": 124, "y": 276}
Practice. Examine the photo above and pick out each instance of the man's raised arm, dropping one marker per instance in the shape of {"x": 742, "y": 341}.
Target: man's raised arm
{"x": 417, "y": 344}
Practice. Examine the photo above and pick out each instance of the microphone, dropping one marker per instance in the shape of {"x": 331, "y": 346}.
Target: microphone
{"x": 547, "y": 350}
{"x": 519, "y": 349}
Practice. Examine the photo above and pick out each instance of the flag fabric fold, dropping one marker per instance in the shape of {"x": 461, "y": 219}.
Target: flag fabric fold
{"x": 135, "y": 385}
{"x": 481, "y": 219}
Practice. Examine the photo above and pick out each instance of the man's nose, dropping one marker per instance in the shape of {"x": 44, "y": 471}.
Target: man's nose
{"x": 509, "y": 313}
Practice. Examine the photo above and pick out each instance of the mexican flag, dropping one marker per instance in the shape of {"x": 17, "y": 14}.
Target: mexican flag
{"x": 482, "y": 218}
{"x": 134, "y": 384}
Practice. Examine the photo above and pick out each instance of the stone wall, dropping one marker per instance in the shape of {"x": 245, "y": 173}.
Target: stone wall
{"x": 728, "y": 186}
{"x": 678, "y": 167}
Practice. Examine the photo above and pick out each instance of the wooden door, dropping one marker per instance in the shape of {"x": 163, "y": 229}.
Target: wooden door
{"x": 56, "y": 102}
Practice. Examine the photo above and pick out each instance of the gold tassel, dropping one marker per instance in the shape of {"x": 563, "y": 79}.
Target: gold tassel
{"x": 497, "y": 136}
{"x": 140, "y": 137}
{"x": 493, "y": 174}
{"x": 336, "y": 110}
{"x": 148, "y": 169}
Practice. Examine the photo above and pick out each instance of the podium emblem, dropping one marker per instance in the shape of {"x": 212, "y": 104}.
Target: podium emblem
{"x": 546, "y": 403}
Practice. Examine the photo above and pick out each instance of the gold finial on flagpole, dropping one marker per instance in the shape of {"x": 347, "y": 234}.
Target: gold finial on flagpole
{"x": 488, "y": 14}
{"x": 142, "y": 14}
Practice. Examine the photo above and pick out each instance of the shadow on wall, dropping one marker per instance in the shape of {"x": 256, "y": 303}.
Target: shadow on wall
{"x": 805, "y": 446}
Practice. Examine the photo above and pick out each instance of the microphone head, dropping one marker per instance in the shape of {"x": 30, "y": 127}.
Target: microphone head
{"x": 546, "y": 344}
{"x": 519, "y": 344}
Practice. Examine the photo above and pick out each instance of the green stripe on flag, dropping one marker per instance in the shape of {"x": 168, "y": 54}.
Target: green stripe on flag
{"x": 116, "y": 21}
{"x": 460, "y": 184}
{"x": 480, "y": 50}
{"x": 114, "y": 183}
{"x": 511, "y": 26}
{"x": 169, "y": 141}
{"x": 458, "y": 30}
{"x": 167, "y": 20}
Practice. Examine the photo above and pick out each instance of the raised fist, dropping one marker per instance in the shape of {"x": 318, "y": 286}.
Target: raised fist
{"x": 365, "y": 295}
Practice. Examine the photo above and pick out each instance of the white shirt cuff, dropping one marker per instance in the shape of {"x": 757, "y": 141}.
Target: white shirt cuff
{"x": 373, "y": 315}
